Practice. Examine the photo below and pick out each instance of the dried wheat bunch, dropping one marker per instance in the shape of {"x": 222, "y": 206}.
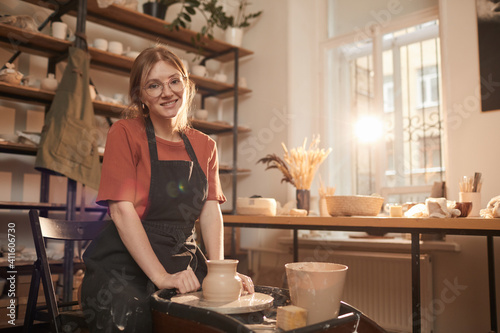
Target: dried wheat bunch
{"x": 299, "y": 165}
{"x": 274, "y": 162}
{"x": 303, "y": 163}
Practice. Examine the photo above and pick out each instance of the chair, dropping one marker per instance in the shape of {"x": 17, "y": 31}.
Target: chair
{"x": 59, "y": 230}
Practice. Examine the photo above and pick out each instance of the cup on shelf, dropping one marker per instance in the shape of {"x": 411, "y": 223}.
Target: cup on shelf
{"x": 49, "y": 83}
{"x": 59, "y": 30}
{"x": 101, "y": 44}
{"x": 93, "y": 93}
{"x": 221, "y": 77}
{"x": 115, "y": 47}
{"x": 242, "y": 82}
{"x": 199, "y": 70}
{"x": 119, "y": 98}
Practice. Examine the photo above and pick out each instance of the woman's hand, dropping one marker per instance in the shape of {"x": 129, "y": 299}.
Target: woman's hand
{"x": 247, "y": 283}
{"x": 183, "y": 281}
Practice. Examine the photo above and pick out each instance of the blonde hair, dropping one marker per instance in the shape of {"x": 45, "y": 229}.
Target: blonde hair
{"x": 140, "y": 70}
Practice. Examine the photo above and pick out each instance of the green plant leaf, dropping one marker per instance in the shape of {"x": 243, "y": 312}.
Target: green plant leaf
{"x": 190, "y": 10}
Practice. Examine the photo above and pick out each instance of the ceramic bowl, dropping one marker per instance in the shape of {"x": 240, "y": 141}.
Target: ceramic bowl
{"x": 353, "y": 205}
{"x": 464, "y": 208}
{"x": 132, "y": 54}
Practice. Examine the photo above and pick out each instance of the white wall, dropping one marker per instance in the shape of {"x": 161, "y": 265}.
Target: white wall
{"x": 470, "y": 136}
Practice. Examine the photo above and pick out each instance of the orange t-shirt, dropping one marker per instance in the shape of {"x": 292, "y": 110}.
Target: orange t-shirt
{"x": 126, "y": 167}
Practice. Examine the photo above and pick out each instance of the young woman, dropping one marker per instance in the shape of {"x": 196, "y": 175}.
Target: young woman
{"x": 158, "y": 177}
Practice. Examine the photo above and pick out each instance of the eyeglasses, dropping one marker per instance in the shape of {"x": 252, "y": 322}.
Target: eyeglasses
{"x": 155, "y": 88}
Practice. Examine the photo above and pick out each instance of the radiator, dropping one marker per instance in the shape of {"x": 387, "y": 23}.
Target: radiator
{"x": 379, "y": 284}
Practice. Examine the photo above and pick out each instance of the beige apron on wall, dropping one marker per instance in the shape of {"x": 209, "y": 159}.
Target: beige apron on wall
{"x": 69, "y": 136}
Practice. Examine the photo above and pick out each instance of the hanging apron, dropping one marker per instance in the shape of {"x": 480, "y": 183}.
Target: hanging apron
{"x": 69, "y": 137}
{"x": 115, "y": 290}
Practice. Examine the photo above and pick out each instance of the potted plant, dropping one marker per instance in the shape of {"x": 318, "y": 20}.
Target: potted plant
{"x": 233, "y": 25}
{"x": 211, "y": 12}
{"x": 214, "y": 15}
{"x": 157, "y": 8}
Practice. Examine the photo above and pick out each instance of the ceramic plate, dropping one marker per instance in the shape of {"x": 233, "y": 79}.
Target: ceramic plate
{"x": 246, "y": 303}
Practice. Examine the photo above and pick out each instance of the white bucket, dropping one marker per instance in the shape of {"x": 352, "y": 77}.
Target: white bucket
{"x": 316, "y": 287}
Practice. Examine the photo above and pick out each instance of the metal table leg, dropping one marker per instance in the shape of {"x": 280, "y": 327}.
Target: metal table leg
{"x": 491, "y": 278}
{"x": 415, "y": 281}
{"x": 295, "y": 245}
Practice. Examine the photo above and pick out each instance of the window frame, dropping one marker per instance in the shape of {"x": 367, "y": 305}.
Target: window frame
{"x": 376, "y": 33}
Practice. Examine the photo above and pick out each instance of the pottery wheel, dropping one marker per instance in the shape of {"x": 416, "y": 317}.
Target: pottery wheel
{"x": 246, "y": 303}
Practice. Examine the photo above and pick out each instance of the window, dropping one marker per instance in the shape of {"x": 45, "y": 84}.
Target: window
{"x": 392, "y": 78}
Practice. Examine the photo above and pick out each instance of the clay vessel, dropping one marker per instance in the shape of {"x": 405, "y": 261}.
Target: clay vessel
{"x": 49, "y": 83}
{"x": 316, "y": 287}
{"x": 222, "y": 283}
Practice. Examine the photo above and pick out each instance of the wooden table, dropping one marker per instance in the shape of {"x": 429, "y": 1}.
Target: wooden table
{"x": 413, "y": 226}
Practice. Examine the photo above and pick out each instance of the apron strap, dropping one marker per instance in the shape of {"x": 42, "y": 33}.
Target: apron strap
{"x": 189, "y": 148}
{"x": 150, "y": 132}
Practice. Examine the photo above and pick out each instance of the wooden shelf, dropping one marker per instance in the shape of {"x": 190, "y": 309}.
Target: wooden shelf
{"x": 210, "y": 127}
{"x": 15, "y": 39}
{"x": 26, "y": 149}
{"x": 207, "y": 86}
{"x": 21, "y": 93}
{"x": 148, "y": 27}
{"x": 225, "y": 170}
{"x": 17, "y": 148}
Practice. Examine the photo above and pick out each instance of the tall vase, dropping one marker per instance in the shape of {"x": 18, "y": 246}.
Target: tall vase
{"x": 222, "y": 283}
{"x": 303, "y": 199}
{"x": 155, "y": 9}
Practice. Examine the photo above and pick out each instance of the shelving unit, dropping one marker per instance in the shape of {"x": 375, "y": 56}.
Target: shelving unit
{"x": 138, "y": 24}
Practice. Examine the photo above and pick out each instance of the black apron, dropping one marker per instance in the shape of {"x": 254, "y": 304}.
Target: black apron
{"x": 115, "y": 290}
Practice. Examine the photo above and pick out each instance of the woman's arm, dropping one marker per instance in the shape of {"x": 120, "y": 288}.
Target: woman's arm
{"x": 136, "y": 241}
{"x": 212, "y": 231}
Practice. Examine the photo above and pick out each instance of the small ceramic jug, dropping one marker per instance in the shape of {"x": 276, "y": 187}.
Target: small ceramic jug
{"x": 222, "y": 283}
{"x": 49, "y": 83}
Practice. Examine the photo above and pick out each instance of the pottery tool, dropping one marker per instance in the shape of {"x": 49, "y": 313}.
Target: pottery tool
{"x": 476, "y": 182}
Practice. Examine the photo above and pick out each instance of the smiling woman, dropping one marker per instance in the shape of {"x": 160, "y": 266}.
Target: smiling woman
{"x": 158, "y": 177}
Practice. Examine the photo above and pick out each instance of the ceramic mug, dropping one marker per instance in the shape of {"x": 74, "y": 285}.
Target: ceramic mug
{"x": 199, "y": 70}
{"x": 59, "y": 30}
{"x": 101, "y": 44}
{"x": 115, "y": 47}
{"x": 242, "y": 82}
{"x": 221, "y": 77}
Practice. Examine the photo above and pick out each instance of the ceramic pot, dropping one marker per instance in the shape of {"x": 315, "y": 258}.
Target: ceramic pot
{"x": 234, "y": 36}
{"x": 222, "y": 283}
{"x": 155, "y": 9}
{"x": 316, "y": 287}
{"x": 199, "y": 70}
{"x": 49, "y": 83}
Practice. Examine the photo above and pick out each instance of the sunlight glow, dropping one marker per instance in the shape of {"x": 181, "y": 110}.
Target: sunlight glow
{"x": 368, "y": 129}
